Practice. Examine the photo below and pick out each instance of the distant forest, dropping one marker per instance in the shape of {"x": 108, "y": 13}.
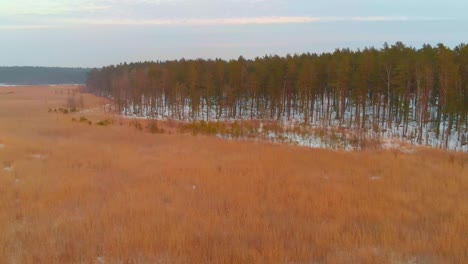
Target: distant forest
{"x": 421, "y": 95}
{"x": 42, "y": 75}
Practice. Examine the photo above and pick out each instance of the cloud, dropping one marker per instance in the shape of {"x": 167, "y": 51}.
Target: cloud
{"x": 229, "y": 21}
{"x": 17, "y": 27}
{"x": 264, "y": 20}
{"x": 197, "y": 21}
{"x": 48, "y": 7}
{"x": 65, "y": 13}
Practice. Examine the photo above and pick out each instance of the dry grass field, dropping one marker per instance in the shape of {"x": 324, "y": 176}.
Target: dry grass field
{"x": 71, "y": 192}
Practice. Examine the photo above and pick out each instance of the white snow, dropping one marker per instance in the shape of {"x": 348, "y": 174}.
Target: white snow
{"x": 391, "y": 137}
{"x": 38, "y": 156}
{"x": 100, "y": 260}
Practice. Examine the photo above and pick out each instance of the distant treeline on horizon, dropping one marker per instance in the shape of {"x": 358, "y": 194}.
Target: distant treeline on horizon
{"x": 28, "y": 75}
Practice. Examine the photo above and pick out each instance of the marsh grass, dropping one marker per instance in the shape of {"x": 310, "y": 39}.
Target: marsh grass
{"x": 117, "y": 195}
{"x": 334, "y": 138}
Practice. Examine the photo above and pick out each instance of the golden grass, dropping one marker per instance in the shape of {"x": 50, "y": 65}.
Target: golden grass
{"x": 79, "y": 193}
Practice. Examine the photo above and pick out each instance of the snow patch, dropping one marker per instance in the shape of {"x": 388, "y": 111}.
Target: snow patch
{"x": 38, "y": 156}
{"x": 408, "y": 150}
{"x": 8, "y": 169}
{"x": 394, "y": 133}
{"x": 388, "y": 143}
{"x": 100, "y": 260}
{"x": 375, "y": 178}
{"x": 104, "y": 108}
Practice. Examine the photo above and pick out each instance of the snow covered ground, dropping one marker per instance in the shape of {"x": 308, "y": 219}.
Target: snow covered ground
{"x": 390, "y": 137}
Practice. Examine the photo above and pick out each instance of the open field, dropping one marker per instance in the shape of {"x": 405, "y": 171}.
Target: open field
{"x": 71, "y": 192}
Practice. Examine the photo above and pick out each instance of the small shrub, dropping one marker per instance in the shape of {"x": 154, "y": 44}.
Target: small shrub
{"x": 74, "y": 101}
{"x": 154, "y": 128}
{"x": 354, "y": 142}
{"x": 202, "y": 123}
{"x": 7, "y": 163}
{"x": 334, "y": 139}
{"x": 251, "y": 129}
{"x": 212, "y": 128}
{"x": 172, "y": 123}
{"x": 104, "y": 122}
{"x": 282, "y": 138}
{"x": 83, "y": 119}
{"x": 137, "y": 125}
{"x": 236, "y": 130}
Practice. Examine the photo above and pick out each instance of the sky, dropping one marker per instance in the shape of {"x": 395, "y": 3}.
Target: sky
{"x": 92, "y": 33}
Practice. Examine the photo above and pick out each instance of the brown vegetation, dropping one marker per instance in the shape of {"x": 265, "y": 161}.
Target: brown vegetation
{"x": 74, "y": 193}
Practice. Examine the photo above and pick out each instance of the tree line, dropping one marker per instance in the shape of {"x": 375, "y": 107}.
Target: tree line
{"x": 418, "y": 94}
{"x": 42, "y": 75}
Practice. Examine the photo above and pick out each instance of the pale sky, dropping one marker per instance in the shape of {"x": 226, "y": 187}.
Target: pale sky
{"x": 91, "y": 33}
